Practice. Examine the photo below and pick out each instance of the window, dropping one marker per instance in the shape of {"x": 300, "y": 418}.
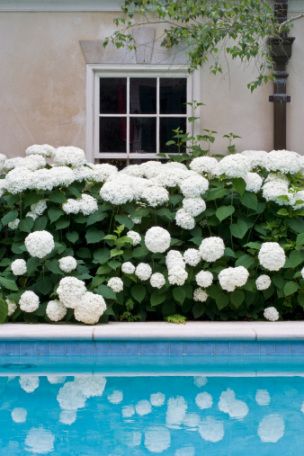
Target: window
{"x": 135, "y": 112}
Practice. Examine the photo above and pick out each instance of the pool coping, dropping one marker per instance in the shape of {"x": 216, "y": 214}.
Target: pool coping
{"x": 250, "y": 331}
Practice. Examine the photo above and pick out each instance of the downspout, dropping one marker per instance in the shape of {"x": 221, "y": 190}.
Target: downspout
{"x": 280, "y": 50}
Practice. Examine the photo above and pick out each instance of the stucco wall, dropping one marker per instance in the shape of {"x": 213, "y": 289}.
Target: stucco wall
{"x": 42, "y": 80}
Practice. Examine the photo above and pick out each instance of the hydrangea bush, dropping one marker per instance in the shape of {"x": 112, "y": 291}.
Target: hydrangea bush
{"x": 214, "y": 239}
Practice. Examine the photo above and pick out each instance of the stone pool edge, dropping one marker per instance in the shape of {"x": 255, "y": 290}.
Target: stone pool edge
{"x": 251, "y": 331}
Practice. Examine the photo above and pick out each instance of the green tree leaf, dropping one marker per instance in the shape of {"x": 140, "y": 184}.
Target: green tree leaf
{"x": 8, "y": 284}
{"x": 237, "y": 297}
{"x": 94, "y": 235}
{"x": 179, "y": 294}
{"x": 54, "y": 213}
{"x": 157, "y": 298}
{"x": 290, "y": 288}
{"x": 239, "y": 229}
{"x": 250, "y": 200}
{"x": 138, "y": 292}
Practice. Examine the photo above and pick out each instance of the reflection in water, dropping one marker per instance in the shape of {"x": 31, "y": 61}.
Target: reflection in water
{"x": 91, "y": 415}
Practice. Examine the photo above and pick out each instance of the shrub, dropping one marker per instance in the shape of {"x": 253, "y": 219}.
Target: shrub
{"x": 215, "y": 240}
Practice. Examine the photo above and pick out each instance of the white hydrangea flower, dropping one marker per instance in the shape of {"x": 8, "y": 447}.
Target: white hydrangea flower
{"x": 135, "y": 237}
{"x": 271, "y": 314}
{"x": 14, "y": 224}
{"x": 275, "y": 187}
{"x": 102, "y": 172}
{"x": 194, "y": 186}
{"x": 212, "y": 248}
{"x": 11, "y": 307}
{"x": 257, "y": 158}
{"x": 47, "y": 179}
{"x": 87, "y": 204}
{"x": 55, "y": 310}
{"x": 284, "y": 161}
{"x": 206, "y": 165}
{"x": 272, "y": 256}
{"x": 71, "y": 206}
{"x": 174, "y": 258}
{"x": 70, "y": 291}
{"x": 157, "y": 239}
{"x": 194, "y": 206}
{"x": 177, "y": 275}
{"x": 143, "y": 271}
{"x": 39, "y": 207}
{"x": 90, "y": 308}
{"x": 29, "y": 301}
{"x": 232, "y": 278}
{"x": 157, "y": 280}
{"x": 254, "y": 182}
{"x": 192, "y": 257}
{"x": 263, "y": 282}
{"x": 117, "y": 192}
{"x": 67, "y": 263}
{"x": 17, "y": 180}
{"x": 204, "y": 279}
{"x": 18, "y": 267}
{"x": 184, "y": 220}
{"x": 69, "y": 156}
{"x": 155, "y": 196}
{"x": 116, "y": 284}
{"x": 45, "y": 150}
{"x": 200, "y": 295}
{"x": 128, "y": 267}
{"x": 39, "y": 243}
{"x": 235, "y": 165}
{"x": 298, "y": 200}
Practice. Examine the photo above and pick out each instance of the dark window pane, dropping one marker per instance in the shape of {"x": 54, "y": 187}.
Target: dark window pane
{"x": 142, "y": 95}
{"x": 167, "y": 125}
{"x": 113, "y": 94}
{"x": 112, "y": 134}
{"x": 142, "y": 134}
{"x": 173, "y": 94}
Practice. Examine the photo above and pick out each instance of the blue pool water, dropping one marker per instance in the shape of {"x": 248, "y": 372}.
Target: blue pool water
{"x": 140, "y": 398}
{"x": 96, "y": 415}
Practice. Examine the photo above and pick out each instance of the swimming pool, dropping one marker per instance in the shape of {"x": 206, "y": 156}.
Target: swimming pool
{"x": 136, "y": 398}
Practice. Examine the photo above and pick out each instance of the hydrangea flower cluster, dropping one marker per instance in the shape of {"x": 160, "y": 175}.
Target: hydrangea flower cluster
{"x": 211, "y": 239}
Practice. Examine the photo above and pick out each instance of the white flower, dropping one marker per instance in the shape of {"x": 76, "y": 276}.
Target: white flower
{"x": 253, "y": 182}
{"x": 14, "y": 224}
{"x": 71, "y": 206}
{"x": 204, "y": 279}
{"x": 271, "y": 314}
{"x": 117, "y": 192}
{"x": 192, "y": 257}
{"x": 232, "y": 278}
{"x": 276, "y": 187}
{"x": 177, "y": 275}
{"x": 90, "y": 308}
{"x": 39, "y": 208}
{"x": 17, "y": 180}
{"x": 70, "y": 291}
{"x": 263, "y": 282}
{"x": 194, "y": 186}
{"x": 69, "y": 155}
{"x": 212, "y": 248}
{"x": 87, "y": 204}
{"x": 271, "y": 256}
{"x": 257, "y": 158}
{"x": 204, "y": 165}
{"x": 39, "y": 243}
{"x": 67, "y": 264}
{"x": 284, "y": 161}
{"x": 174, "y": 258}
{"x": 18, "y": 267}
{"x": 184, "y": 220}
{"x": 102, "y": 172}
{"x": 235, "y": 165}
{"x": 128, "y": 268}
{"x": 200, "y": 295}
{"x": 155, "y": 195}
{"x": 298, "y": 200}
{"x": 194, "y": 206}
{"x": 11, "y": 307}
{"x": 29, "y": 301}
{"x": 55, "y": 310}
{"x": 116, "y": 284}
{"x": 143, "y": 271}
{"x": 40, "y": 149}
{"x": 157, "y": 280}
{"x": 157, "y": 239}
{"x": 135, "y": 237}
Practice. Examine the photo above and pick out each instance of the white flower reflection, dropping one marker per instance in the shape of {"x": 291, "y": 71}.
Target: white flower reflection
{"x": 232, "y": 406}
{"x": 29, "y": 383}
{"x": 262, "y": 397}
{"x": 39, "y": 441}
{"x": 271, "y": 429}
{"x": 176, "y": 411}
{"x": 211, "y": 430}
{"x": 19, "y": 415}
{"x": 157, "y": 439}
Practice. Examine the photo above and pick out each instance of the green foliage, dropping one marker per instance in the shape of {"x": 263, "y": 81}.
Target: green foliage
{"x": 206, "y": 28}
{"x": 176, "y": 319}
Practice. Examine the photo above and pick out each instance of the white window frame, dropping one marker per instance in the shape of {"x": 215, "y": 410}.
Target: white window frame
{"x": 94, "y": 72}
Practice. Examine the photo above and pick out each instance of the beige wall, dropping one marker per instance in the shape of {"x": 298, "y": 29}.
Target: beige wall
{"x": 42, "y": 81}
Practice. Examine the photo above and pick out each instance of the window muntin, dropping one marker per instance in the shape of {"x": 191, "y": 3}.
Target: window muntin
{"x": 138, "y": 113}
